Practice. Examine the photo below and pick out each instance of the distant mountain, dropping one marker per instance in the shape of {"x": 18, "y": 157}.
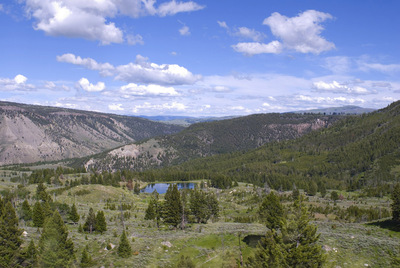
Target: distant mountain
{"x": 184, "y": 120}
{"x": 30, "y": 133}
{"x": 210, "y": 138}
{"x": 344, "y": 110}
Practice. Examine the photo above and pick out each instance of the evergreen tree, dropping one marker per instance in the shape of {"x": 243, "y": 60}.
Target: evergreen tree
{"x": 47, "y": 211}
{"x": 41, "y": 193}
{"x": 124, "y": 248}
{"x": 172, "y": 207}
{"x": 73, "y": 214}
{"x": 26, "y": 211}
{"x": 150, "y": 211}
{"x": 10, "y": 237}
{"x": 271, "y": 211}
{"x": 101, "y": 225}
{"x": 30, "y": 255}
{"x": 55, "y": 248}
{"x": 38, "y": 215}
{"x": 136, "y": 189}
{"x": 86, "y": 259}
{"x": 90, "y": 223}
{"x": 396, "y": 203}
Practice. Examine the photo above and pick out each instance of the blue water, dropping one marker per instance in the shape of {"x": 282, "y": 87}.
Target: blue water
{"x": 163, "y": 187}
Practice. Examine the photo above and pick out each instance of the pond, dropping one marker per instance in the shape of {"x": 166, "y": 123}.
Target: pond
{"x": 163, "y": 187}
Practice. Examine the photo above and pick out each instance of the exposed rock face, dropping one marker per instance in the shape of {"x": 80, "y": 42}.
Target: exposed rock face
{"x": 31, "y": 133}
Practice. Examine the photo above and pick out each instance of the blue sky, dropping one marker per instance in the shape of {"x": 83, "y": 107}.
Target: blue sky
{"x": 200, "y": 58}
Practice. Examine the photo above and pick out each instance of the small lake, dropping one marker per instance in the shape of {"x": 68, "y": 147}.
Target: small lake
{"x": 163, "y": 187}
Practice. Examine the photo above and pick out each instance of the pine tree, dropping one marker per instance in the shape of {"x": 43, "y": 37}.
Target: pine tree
{"x": 26, "y": 211}
{"x": 41, "y": 193}
{"x": 47, "y": 211}
{"x": 271, "y": 211}
{"x": 172, "y": 207}
{"x": 101, "y": 225}
{"x": 38, "y": 215}
{"x": 55, "y": 248}
{"x": 73, "y": 214}
{"x": 10, "y": 237}
{"x": 86, "y": 259}
{"x": 150, "y": 211}
{"x": 124, "y": 248}
{"x": 396, "y": 203}
{"x": 30, "y": 255}
{"x": 136, "y": 189}
{"x": 90, "y": 223}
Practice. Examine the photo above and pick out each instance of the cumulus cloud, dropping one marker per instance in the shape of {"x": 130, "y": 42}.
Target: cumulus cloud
{"x": 242, "y": 32}
{"x": 252, "y": 48}
{"x": 141, "y": 71}
{"x": 147, "y": 90}
{"x": 184, "y": 30}
{"x": 300, "y": 33}
{"x": 91, "y": 19}
{"x": 329, "y": 100}
{"x": 336, "y": 87}
{"x": 87, "y": 86}
{"x": 18, "y": 83}
{"x": 134, "y": 39}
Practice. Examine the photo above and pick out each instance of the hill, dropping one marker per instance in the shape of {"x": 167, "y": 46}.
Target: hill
{"x": 357, "y": 152}
{"x": 210, "y": 138}
{"x": 30, "y": 133}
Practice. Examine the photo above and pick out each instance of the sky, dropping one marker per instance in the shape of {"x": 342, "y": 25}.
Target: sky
{"x": 200, "y": 58}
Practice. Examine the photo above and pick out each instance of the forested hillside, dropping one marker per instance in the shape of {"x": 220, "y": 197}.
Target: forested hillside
{"x": 30, "y": 133}
{"x": 358, "y": 152}
{"x": 211, "y": 138}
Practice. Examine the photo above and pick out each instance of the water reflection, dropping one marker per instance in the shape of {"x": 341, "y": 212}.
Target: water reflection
{"x": 163, "y": 187}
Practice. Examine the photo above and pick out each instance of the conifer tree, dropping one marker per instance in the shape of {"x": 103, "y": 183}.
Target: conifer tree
{"x": 73, "y": 214}
{"x": 10, "y": 237}
{"x": 90, "y": 223}
{"x": 55, "y": 248}
{"x": 173, "y": 206}
{"x": 86, "y": 259}
{"x": 41, "y": 193}
{"x": 38, "y": 215}
{"x": 30, "y": 255}
{"x": 136, "y": 189}
{"x": 47, "y": 211}
{"x": 150, "y": 211}
{"x": 101, "y": 225}
{"x": 26, "y": 211}
{"x": 271, "y": 211}
{"x": 124, "y": 248}
{"x": 396, "y": 203}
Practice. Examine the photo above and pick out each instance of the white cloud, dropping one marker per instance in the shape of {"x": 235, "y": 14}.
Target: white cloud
{"x": 384, "y": 68}
{"x": 184, "y": 30}
{"x": 105, "y": 69}
{"x": 336, "y": 87}
{"x": 134, "y": 39}
{"x": 329, "y": 100}
{"x": 147, "y": 90}
{"x": 301, "y": 33}
{"x": 173, "y": 7}
{"x": 245, "y": 32}
{"x": 87, "y": 86}
{"x": 18, "y": 83}
{"x": 338, "y": 64}
{"x": 252, "y": 48}
{"x": 115, "y": 107}
{"x": 1, "y": 7}
{"x": 223, "y": 24}
{"x": 142, "y": 71}
{"x": 92, "y": 19}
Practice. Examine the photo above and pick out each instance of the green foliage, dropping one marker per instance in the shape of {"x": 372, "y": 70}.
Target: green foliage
{"x": 41, "y": 193}
{"x": 38, "y": 215}
{"x": 124, "y": 248}
{"x": 90, "y": 223}
{"x": 334, "y": 196}
{"x": 185, "y": 262}
{"x": 203, "y": 206}
{"x": 150, "y": 211}
{"x": 100, "y": 224}
{"x": 172, "y": 208}
{"x": 73, "y": 214}
{"x": 10, "y": 236}
{"x": 30, "y": 255}
{"x": 26, "y": 211}
{"x": 136, "y": 189}
{"x": 396, "y": 203}
{"x": 271, "y": 211}
{"x": 86, "y": 259}
{"x": 55, "y": 248}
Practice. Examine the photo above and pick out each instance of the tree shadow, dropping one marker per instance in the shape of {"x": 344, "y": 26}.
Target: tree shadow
{"x": 387, "y": 224}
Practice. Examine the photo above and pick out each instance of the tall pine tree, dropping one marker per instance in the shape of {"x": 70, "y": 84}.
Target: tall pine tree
{"x": 101, "y": 225}
{"x": 172, "y": 206}
{"x": 90, "y": 224}
{"x": 124, "y": 248}
{"x": 73, "y": 214}
{"x": 55, "y": 248}
{"x": 10, "y": 237}
{"x": 38, "y": 215}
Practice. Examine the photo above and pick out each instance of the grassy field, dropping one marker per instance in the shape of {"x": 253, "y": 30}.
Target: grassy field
{"x": 215, "y": 244}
